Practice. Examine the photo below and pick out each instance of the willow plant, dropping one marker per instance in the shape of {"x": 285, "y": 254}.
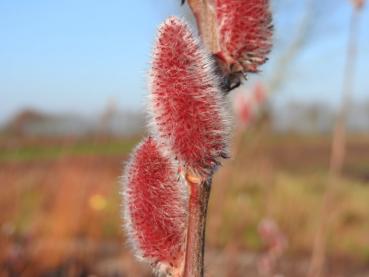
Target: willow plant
{"x": 167, "y": 181}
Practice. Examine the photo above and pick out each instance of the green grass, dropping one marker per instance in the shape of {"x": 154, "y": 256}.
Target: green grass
{"x": 50, "y": 152}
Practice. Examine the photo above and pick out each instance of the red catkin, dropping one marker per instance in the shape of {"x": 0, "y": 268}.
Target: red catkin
{"x": 155, "y": 207}
{"x": 246, "y": 105}
{"x": 187, "y": 107}
{"x": 243, "y": 109}
{"x": 245, "y": 32}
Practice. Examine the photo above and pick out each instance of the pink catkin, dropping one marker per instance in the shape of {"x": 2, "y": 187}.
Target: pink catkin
{"x": 259, "y": 93}
{"x": 188, "y": 111}
{"x": 155, "y": 206}
{"x": 247, "y": 105}
{"x": 243, "y": 109}
{"x": 245, "y": 32}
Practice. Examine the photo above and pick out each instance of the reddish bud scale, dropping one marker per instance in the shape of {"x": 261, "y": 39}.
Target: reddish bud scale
{"x": 245, "y": 32}
{"x": 188, "y": 111}
{"x": 155, "y": 207}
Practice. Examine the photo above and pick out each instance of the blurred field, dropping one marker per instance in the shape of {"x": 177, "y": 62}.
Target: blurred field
{"x": 60, "y": 206}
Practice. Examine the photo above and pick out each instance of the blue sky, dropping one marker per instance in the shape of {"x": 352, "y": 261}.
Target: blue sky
{"x": 73, "y": 56}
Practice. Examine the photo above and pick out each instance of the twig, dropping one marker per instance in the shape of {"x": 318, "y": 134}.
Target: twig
{"x": 198, "y": 204}
{"x": 337, "y": 153}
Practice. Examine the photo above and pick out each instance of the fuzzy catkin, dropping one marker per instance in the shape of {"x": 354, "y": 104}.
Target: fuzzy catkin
{"x": 187, "y": 108}
{"x": 155, "y": 206}
{"x": 245, "y": 31}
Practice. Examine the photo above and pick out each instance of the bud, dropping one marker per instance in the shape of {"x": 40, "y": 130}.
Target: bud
{"x": 187, "y": 107}
{"x": 358, "y": 4}
{"x": 260, "y": 93}
{"x": 243, "y": 109}
{"x": 247, "y": 103}
{"x": 245, "y": 33}
{"x": 155, "y": 208}
{"x": 275, "y": 243}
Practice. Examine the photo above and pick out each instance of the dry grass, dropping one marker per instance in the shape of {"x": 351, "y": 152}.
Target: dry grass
{"x": 61, "y": 214}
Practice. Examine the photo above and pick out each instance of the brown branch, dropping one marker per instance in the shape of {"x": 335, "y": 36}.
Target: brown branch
{"x": 198, "y": 203}
{"x": 206, "y": 22}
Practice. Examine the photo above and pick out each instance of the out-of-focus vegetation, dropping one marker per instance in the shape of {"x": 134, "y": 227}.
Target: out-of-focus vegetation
{"x": 60, "y": 205}
{"x": 36, "y": 149}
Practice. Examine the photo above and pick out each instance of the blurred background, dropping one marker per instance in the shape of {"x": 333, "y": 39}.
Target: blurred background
{"x": 73, "y": 86}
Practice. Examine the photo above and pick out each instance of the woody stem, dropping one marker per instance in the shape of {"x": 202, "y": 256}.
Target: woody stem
{"x": 198, "y": 204}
